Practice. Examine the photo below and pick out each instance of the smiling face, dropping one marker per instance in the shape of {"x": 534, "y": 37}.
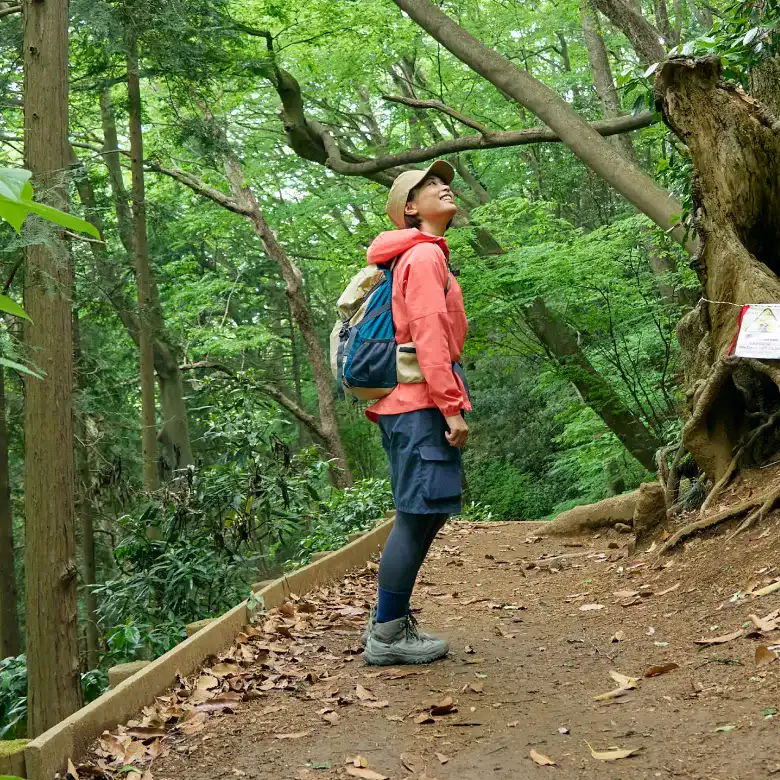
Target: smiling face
{"x": 433, "y": 204}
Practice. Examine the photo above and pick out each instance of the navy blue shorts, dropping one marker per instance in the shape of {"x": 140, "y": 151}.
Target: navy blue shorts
{"x": 425, "y": 471}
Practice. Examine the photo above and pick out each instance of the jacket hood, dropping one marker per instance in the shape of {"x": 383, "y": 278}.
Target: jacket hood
{"x": 393, "y": 243}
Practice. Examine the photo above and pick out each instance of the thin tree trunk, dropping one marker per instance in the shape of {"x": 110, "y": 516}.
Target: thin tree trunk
{"x": 10, "y": 640}
{"x": 142, "y": 270}
{"x": 53, "y": 682}
{"x": 301, "y": 313}
{"x": 175, "y": 432}
{"x": 590, "y": 147}
{"x": 662, "y": 20}
{"x": 84, "y": 509}
{"x": 602, "y": 75}
{"x": 628, "y": 18}
{"x": 597, "y": 393}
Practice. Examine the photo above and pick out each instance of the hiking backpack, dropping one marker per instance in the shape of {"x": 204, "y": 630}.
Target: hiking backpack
{"x": 366, "y": 360}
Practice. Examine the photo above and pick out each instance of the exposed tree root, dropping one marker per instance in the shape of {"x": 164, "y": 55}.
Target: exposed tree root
{"x": 710, "y": 522}
{"x": 669, "y": 476}
{"x": 759, "y": 514}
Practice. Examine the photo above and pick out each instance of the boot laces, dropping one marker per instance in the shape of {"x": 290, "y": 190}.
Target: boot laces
{"x": 412, "y": 632}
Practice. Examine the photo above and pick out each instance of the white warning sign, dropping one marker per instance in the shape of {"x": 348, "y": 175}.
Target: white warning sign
{"x": 759, "y": 331}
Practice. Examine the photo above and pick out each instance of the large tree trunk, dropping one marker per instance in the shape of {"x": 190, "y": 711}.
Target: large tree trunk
{"x": 562, "y": 345}
{"x": 590, "y": 147}
{"x": 734, "y": 143}
{"x": 602, "y": 75}
{"x": 142, "y": 270}
{"x": 10, "y": 640}
{"x": 53, "y": 683}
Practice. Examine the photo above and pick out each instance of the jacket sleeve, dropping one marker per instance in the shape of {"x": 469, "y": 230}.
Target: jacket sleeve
{"x": 425, "y": 278}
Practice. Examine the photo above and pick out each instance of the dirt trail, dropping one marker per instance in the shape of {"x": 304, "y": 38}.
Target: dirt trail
{"x": 527, "y": 659}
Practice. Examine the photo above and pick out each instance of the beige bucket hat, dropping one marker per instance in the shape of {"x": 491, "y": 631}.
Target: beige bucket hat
{"x": 406, "y": 182}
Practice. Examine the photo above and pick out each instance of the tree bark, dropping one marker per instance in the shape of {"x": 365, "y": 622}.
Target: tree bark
{"x": 628, "y": 18}
{"x": 10, "y": 639}
{"x": 662, "y": 21}
{"x": 602, "y": 75}
{"x": 734, "y": 143}
{"x": 175, "y": 432}
{"x": 142, "y": 270}
{"x": 557, "y": 338}
{"x": 593, "y": 150}
{"x": 53, "y": 683}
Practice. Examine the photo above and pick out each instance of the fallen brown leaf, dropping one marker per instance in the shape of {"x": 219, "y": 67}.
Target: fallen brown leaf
{"x": 541, "y": 759}
{"x": 623, "y": 680}
{"x": 618, "y": 636}
{"x": 610, "y": 695}
{"x": 145, "y": 732}
{"x": 625, "y": 594}
{"x": 72, "y": 771}
{"x": 412, "y": 762}
{"x": 669, "y": 590}
{"x": 614, "y": 754}
{"x": 296, "y": 735}
{"x": 375, "y": 705}
{"x": 720, "y": 640}
{"x": 764, "y": 656}
{"x": 225, "y": 669}
{"x": 767, "y": 590}
{"x": 591, "y": 607}
{"x": 424, "y": 717}
{"x": 364, "y": 694}
{"x": 358, "y": 761}
{"x": 365, "y": 774}
{"x": 444, "y": 707}
{"x": 331, "y": 717}
{"x": 442, "y": 758}
{"x": 657, "y": 671}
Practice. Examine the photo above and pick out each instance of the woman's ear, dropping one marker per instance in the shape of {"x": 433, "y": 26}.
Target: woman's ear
{"x": 411, "y": 209}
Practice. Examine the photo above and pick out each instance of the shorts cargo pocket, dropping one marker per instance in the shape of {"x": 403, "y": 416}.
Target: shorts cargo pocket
{"x": 441, "y": 477}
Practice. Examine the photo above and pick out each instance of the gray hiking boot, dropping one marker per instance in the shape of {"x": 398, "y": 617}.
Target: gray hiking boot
{"x": 372, "y": 622}
{"x": 399, "y": 642}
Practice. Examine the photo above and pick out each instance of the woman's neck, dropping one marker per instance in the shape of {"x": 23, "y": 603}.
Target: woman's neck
{"x": 433, "y": 229}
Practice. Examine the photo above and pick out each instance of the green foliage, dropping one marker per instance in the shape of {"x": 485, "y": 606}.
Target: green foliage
{"x": 348, "y": 511}
{"x": 16, "y": 202}
{"x": 13, "y": 698}
{"x": 13, "y": 694}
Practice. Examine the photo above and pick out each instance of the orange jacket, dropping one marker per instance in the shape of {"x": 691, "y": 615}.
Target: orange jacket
{"x": 422, "y": 313}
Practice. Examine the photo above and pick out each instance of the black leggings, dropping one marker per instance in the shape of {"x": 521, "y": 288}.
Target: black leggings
{"x": 406, "y": 548}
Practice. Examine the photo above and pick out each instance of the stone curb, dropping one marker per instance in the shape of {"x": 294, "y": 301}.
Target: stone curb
{"x": 48, "y": 754}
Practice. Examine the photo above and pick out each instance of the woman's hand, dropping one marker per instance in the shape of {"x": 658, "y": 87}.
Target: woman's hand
{"x": 459, "y": 431}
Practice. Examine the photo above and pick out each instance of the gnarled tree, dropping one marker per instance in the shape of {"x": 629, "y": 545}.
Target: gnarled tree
{"x": 734, "y": 141}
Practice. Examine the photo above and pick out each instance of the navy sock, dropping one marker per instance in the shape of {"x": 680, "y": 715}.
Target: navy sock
{"x": 391, "y": 606}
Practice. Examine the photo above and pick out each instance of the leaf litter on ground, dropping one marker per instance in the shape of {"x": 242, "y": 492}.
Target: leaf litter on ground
{"x": 541, "y": 759}
{"x": 612, "y": 754}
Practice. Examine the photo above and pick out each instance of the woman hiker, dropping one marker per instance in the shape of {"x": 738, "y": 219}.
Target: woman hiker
{"x": 423, "y": 427}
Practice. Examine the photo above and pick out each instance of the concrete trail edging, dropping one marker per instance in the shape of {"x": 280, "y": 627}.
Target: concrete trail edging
{"x": 48, "y": 754}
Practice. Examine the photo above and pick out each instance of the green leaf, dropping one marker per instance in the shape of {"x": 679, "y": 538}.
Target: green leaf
{"x": 16, "y": 202}
{"x": 19, "y": 367}
{"x": 10, "y": 306}
{"x": 62, "y": 218}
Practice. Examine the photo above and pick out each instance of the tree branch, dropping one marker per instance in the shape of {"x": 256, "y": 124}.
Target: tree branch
{"x": 445, "y": 109}
{"x": 199, "y": 187}
{"x": 14, "y": 9}
{"x": 496, "y": 140}
{"x": 270, "y": 390}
